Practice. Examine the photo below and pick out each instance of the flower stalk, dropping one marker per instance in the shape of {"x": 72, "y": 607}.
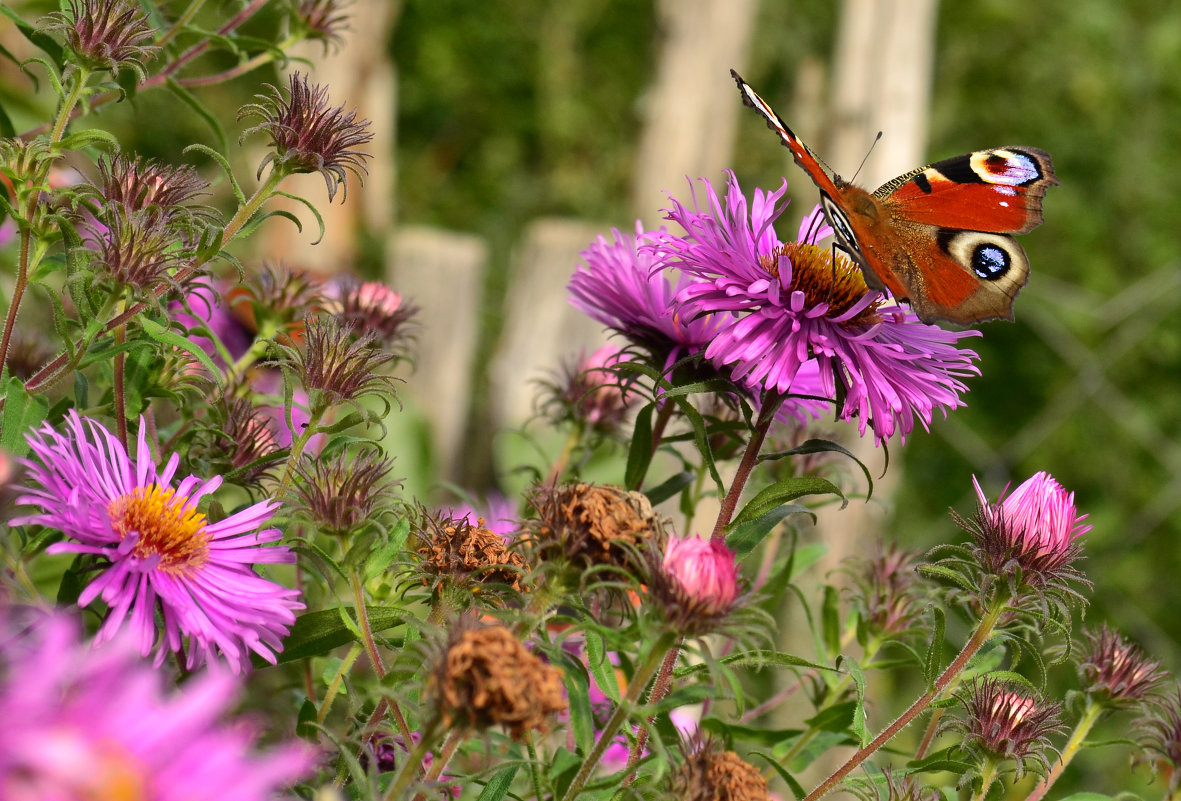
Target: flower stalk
{"x": 1091, "y": 714}
{"x": 750, "y": 458}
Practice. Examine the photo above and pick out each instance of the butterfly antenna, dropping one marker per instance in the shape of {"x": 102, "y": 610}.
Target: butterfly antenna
{"x": 868, "y": 153}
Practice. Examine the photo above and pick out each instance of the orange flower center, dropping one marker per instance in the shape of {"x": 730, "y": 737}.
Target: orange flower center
{"x": 841, "y": 285}
{"x": 166, "y": 525}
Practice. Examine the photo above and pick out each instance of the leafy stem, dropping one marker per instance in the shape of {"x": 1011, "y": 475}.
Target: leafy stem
{"x": 979, "y": 637}
{"x": 750, "y": 457}
{"x": 1091, "y": 714}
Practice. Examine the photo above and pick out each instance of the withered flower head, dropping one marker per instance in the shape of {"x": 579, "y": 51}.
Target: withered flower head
{"x": 336, "y": 364}
{"x": 457, "y": 550}
{"x": 887, "y": 589}
{"x": 371, "y": 306}
{"x": 1002, "y": 722}
{"x": 307, "y": 134}
{"x": 710, "y": 774}
{"x": 107, "y": 34}
{"x": 138, "y": 184}
{"x": 487, "y": 677}
{"x": 1159, "y": 737}
{"x": 1117, "y": 670}
{"x": 344, "y": 491}
{"x": 595, "y": 524}
{"x": 137, "y": 250}
{"x": 323, "y": 21}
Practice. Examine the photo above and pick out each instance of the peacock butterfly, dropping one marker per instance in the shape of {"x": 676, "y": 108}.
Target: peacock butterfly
{"x": 937, "y": 236}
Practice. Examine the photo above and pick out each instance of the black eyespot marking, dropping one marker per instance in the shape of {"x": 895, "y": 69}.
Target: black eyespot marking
{"x": 922, "y": 183}
{"x": 959, "y": 170}
{"x": 990, "y": 262}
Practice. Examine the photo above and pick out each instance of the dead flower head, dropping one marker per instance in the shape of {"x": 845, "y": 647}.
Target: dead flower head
{"x": 710, "y": 774}
{"x": 456, "y": 550}
{"x": 487, "y": 677}
{"x": 595, "y": 524}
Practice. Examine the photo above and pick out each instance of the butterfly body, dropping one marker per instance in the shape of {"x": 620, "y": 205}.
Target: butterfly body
{"x": 938, "y": 236}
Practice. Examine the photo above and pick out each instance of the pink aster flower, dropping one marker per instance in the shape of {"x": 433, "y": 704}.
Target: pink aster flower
{"x": 795, "y": 303}
{"x": 161, "y": 553}
{"x": 1037, "y": 526}
{"x": 81, "y": 723}
{"x": 498, "y": 513}
{"x": 706, "y": 571}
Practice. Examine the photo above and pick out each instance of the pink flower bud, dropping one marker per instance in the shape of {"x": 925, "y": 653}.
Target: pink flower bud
{"x": 705, "y": 570}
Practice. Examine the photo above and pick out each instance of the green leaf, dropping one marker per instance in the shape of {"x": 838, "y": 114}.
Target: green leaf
{"x": 830, "y": 621}
{"x": 7, "y": 131}
{"x": 22, "y": 412}
{"x": 71, "y": 584}
{"x": 305, "y": 724}
{"x": 823, "y": 446}
{"x": 757, "y": 658}
{"x": 167, "y": 336}
{"x": 380, "y": 559}
{"x": 935, "y": 646}
{"x": 836, "y": 718}
{"x": 788, "y": 779}
{"x": 860, "y": 724}
{"x": 315, "y": 212}
{"x": 43, "y": 41}
{"x": 785, "y": 491}
{"x": 639, "y": 454}
{"x": 498, "y": 786}
{"x": 582, "y": 719}
{"x": 743, "y": 538}
{"x": 659, "y": 494}
{"x": 600, "y": 666}
{"x": 317, "y": 633}
{"x": 89, "y": 137}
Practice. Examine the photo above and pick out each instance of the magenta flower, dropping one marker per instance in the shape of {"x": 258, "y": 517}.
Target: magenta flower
{"x": 498, "y": 513}
{"x": 706, "y": 571}
{"x": 162, "y": 554}
{"x": 81, "y": 723}
{"x": 1037, "y": 526}
{"x": 622, "y": 286}
{"x": 794, "y": 303}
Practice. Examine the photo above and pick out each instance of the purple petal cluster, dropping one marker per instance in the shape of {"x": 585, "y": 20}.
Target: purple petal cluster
{"x": 85, "y": 723}
{"x": 160, "y": 553}
{"x": 793, "y": 302}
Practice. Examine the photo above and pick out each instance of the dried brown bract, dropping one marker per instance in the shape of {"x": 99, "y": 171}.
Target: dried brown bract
{"x": 455, "y": 550}
{"x": 595, "y": 523}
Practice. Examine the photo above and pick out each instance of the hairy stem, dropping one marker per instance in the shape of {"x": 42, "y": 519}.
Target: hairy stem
{"x": 750, "y": 457}
{"x": 1091, "y": 714}
{"x": 660, "y": 689}
{"x": 980, "y": 636}
{"x": 638, "y": 682}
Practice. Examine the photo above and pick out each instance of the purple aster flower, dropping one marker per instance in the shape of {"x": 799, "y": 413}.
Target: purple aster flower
{"x": 622, "y": 286}
{"x": 81, "y": 723}
{"x": 162, "y": 553}
{"x": 1036, "y": 527}
{"x": 795, "y": 303}
{"x": 205, "y": 306}
{"x": 499, "y": 514}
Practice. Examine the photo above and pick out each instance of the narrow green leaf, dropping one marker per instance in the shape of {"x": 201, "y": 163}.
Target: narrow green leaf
{"x": 830, "y": 622}
{"x": 785, "y": 491}
{"x": 823, "y": 446}
{"x": 600, "y": 666}
{"x": 169, "y": 337}
{"x": 307, "y": 203}
{"x": 22, "y": 412}
{"x": 305, "y": 724}
{"x": 758, "y": 658}
{"x": 317, "y": 633}
{"x": 836, "y": 718}
{"x": 935, "y": 645}
{"x": 89, "y": 137}
{"x": 582, "y": 719}
{"x": 43, "y": 41}
{"x": 743, "y": 538}
{"x": 860, "y": 724}
{"x": 788, "y": 779}
{"x": 639, "y": 454}
{"x": 669, "y": 488}
{"x": 498, "y": 786}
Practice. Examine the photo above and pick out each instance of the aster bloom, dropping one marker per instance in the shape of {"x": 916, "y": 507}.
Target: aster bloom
{"x": 1159, "y": 736}
{"x": 622, "y": 286}
{"x": 592, "y": 392}
{"x": 1003, "y": 723}
{"x": 1117, "y": 671}
{"x": 888, "y": 591}
{"x": 1037, "y": 527}
{"x": 795, "y": 302}
{"x": 371, "y": 306}
{"x": 141, "y": 251}
{"x": 245, "y": 441}
{"x": 309, "y": 135}
{"x": 322, "y": 21}
{"x": 141, "y": 185}
{"x": 345, "y": 491}
{"x": 107, "y": 34}
{"x": 162, "y": 554}
{"x": 99, "y": 724}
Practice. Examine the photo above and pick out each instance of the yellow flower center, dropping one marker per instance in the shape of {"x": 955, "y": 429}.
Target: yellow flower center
{"x": 813, "y": 273}
{"x": 167, "y": 527}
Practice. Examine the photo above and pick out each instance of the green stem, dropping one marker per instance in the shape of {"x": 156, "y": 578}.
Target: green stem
{"x": 185, "y": 18}
{"x": 1091, "y": 714}
{"x": 336, "y": 683}
{"x": 980, "y": 636}
{"x": 18, "y": 292}
{"x": 607, "y": 735}
{"x": 534, "y": 767}
{"x": 64, "y": 114}
{"x": 371, "y": 649}
{"x": 750, "y": 457}
{"x": 265, "y": 57}
{"x": 563, "y": 458}
{"x": 413, "y": 761}
{"x": 120, "y": 395}
{"x": 987, "y": 777}
{"x": 450, "y": 744}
